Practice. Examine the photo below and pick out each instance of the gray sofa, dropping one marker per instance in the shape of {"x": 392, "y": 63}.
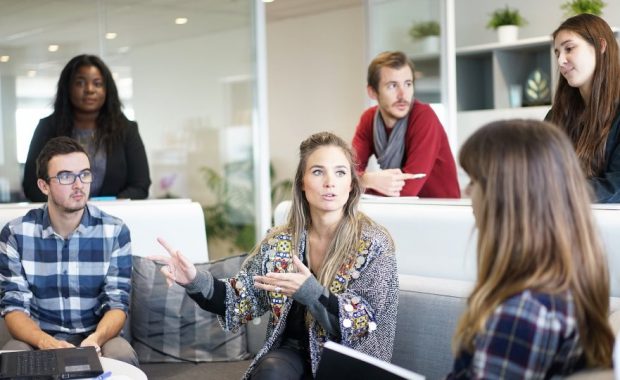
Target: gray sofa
{"x": 434, "y": 248}
{"x": 435, "y": 318}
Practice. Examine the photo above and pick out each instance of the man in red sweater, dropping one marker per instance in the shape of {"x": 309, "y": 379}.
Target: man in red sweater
{"x": 404, "y": 134}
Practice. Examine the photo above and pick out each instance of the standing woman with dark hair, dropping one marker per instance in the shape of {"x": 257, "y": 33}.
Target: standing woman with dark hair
{"x": 540, "y": 302}
{"x": 88, "y": 108}
{"x": 329, "y": 273}
{"x": 586, "y": 103}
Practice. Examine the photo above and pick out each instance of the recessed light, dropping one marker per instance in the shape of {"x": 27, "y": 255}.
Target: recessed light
{"x": 267, "y": 1}
{"x": 110, "y": 35}
{"x": 53, "y": 48}
{"x": 181, "y": 20}
{"x": 4, "y": 58}
{"x": 31, "y": 73}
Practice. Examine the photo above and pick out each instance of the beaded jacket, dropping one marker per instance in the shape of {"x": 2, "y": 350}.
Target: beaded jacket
{"x": 366, "y": 287}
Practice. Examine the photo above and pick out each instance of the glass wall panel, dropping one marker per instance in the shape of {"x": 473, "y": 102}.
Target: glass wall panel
{"x": 413, "y": 27}
{"x": 185, "y": 71}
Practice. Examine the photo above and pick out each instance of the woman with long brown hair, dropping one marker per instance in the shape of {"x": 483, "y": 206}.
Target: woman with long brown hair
{"x": 586, "y": 103}
{"x": 540, "y": 302}
{"x": 329, "y": 273}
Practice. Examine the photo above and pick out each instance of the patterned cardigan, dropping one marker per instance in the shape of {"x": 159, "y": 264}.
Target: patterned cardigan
{"x": 366, "y": 287}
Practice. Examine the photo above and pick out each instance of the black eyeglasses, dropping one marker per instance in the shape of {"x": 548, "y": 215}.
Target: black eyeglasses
{"x": 68, "y": 178}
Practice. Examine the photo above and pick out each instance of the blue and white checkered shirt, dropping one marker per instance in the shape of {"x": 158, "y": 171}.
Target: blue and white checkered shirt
{"x": 65, "y": 285}
{"x": 531, "y": 335}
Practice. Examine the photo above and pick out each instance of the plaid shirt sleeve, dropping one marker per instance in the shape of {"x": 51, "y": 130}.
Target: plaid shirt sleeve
{"x": 14, "y": 289}
{"x": 521, "y": 339}
{"x": 118, "y": 279}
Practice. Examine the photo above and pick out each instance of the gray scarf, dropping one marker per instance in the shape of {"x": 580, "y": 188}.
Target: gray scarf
{"x": 390, "y": 151}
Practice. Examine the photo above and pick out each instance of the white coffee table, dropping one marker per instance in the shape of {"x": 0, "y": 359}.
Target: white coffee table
{"x": 121, "y": 370}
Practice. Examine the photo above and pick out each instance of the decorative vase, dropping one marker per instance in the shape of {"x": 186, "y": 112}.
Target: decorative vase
{"x": 507, "y": 33}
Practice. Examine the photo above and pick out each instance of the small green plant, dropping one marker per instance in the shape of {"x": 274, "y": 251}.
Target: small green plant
{"x": 230, "y": 216}
{"x": 576, "y": 7}
{"x": 506, "y": 16}
{"x": 423, "y": 29}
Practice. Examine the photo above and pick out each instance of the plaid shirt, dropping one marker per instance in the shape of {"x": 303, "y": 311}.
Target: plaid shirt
{"x": 65, "y": 285}
{"x": 529, "y": 336}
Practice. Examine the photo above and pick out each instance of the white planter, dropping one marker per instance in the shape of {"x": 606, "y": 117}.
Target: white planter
{"x": 507, "y": 33}
{"x": 430, "y": 44}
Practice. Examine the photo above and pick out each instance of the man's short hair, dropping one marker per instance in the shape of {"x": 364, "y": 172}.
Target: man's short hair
{"x": 55, "y": 147}
{"x": 391, "y": 59}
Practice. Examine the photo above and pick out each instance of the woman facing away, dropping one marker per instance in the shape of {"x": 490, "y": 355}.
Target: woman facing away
{"x": 328, "y": 274}
{"x": 88, "y": 108}
{"x": 540, "y": 302}
{"x": 586, "y": 103}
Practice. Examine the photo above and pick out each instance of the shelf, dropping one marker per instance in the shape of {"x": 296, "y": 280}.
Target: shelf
{"x": 427, "y": 82}
{"x": 485, "y": 73}
{"x": 516, "y": 45}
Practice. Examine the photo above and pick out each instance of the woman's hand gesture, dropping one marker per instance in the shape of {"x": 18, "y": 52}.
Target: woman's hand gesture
{"x": 285, "y": 283}
{"x": 176, "y": 267}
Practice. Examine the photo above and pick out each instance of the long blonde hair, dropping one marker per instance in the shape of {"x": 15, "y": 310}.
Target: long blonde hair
{"x": 536, "y": 230}
{"x": 343, "y": 245}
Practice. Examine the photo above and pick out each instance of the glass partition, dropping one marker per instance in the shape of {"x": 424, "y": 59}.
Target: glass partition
{"x": 186, "y": 74}
{"x": 412, "y": 27}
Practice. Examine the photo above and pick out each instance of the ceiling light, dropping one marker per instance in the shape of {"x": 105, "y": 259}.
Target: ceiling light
{"x": 31, "y": 73}
{"x": 267, "y": 1}
{"x": 180, "y": 20}
{"x": 52, "y": 48}
{"x": 110, "y": 35}
{"x": 4, "y": 58}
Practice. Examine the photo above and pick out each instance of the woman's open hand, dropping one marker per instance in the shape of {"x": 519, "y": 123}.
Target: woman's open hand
{"x": 176, "y": 267}
{"x": 285, "y": 283}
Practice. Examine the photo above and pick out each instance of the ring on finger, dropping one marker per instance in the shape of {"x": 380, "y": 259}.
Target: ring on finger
{"x": 277, "y": 289}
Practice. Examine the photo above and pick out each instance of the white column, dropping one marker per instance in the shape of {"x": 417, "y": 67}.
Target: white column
{"x": 260, "y": 128}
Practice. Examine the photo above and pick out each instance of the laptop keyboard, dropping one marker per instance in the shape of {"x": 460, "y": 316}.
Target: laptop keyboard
{"x": 35, "y": 363}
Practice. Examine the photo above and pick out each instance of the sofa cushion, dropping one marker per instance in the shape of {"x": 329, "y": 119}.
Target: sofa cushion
{"x": 168, "y": 326}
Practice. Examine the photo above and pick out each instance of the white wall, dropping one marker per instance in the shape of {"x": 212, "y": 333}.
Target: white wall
{"x": 316, "y": 80}
{"x": 543, "y": 17}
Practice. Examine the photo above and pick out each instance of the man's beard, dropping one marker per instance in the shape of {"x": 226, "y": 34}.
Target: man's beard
{"x": 68, "y": 209}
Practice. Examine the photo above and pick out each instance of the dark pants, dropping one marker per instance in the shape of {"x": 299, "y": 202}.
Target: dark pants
{"x": 285, "y": 363}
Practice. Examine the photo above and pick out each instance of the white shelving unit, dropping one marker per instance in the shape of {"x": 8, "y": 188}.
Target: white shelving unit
{"x": 486, "y": 72}
{"x": 428, "y": 79}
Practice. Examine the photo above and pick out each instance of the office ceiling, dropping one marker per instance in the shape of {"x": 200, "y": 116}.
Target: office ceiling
{"x": 28, "y": 27}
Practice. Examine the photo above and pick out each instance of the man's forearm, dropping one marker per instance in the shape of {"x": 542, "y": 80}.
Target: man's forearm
{"x": 109, "y": 326}
{"x": 24, "y": 329}
{"x": 367, "y": 180}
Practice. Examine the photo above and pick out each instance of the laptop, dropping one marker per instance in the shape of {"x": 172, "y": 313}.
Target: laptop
{"x": 62, "y": 363}
{"x": 340, "y": 362}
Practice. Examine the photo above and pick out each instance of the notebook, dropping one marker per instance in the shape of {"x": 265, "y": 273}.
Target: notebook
{"x": 62, "y": 363}
{"x": 340, "y": 362}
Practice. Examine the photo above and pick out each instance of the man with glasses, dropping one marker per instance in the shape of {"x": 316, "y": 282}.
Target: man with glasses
{"x": 65, "y": 268}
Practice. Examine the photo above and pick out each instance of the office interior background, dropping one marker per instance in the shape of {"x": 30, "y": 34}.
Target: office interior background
{"x": 231, "y": 87}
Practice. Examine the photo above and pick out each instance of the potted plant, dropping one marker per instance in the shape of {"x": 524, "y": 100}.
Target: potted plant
{"x": 507, "y": 22}
{"x": 229, "y": 217}
{"x": 575, "y": 7}
{"x": 426, "y": 32}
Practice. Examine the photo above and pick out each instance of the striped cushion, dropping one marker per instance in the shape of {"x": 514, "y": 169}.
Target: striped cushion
{"x": 167, "y": 326}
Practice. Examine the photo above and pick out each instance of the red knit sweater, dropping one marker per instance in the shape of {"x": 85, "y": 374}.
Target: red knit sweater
{"x": 426, "y": 151}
